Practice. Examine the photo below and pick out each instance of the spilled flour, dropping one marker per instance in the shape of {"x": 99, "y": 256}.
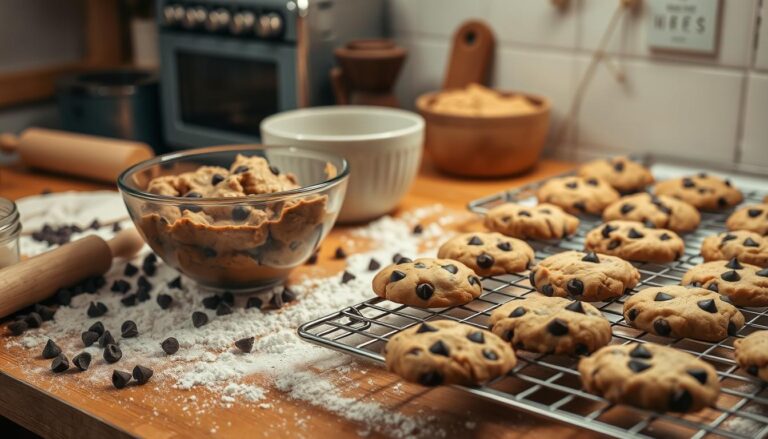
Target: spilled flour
{"x": 207, "y": 357}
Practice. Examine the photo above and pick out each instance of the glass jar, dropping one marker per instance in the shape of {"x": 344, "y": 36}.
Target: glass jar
{"x": 10, "y": 230}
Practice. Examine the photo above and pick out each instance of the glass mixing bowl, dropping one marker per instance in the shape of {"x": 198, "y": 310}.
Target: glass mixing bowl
{"x": 237, "y": 243}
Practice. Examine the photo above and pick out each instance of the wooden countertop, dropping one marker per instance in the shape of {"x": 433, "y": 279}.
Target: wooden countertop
{"x": 66, "y": 407}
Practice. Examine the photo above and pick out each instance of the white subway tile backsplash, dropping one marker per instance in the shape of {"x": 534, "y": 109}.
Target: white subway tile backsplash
{"x": 663, "y": 108}
{"x": 761, "y": 57}
{"x": 426, "y": 66}
{"x": 754, "y": 145}
{"x": 735, "y": 38}
{"x": 435, "y": 18}
{"x": 534, "y": 22}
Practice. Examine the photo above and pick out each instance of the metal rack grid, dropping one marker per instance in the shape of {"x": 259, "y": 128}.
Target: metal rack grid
{"x": 549, "y": 385}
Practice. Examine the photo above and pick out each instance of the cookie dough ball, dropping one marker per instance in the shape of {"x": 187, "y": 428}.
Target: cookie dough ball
{"x": 659, "y": 211}
{"x": 623, "y": 174}
{"x": 704, "y": 192}
{"x": 488, "y": 254}
{"x": 578, "y": 195}
{"x": 545, "y": 221}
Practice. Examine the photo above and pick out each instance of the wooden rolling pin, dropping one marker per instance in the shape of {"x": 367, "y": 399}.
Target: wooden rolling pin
{"x": 97, "y": 158}
{"x": 37, "y": 278}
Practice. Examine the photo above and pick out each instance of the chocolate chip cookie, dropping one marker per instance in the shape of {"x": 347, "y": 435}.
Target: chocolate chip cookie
{"x": 746, "y": 246}
{"x": 650, "y": 376}
{"x": 578, "y": 195}
{"x": 447, "y": 352}
{"x": 659, "y": 211}
{"x": 428, "y": 283}
{"x": 702, "y": 191}
{"x": 753, "y": 217}
{"x": 488, "y": 254}
{"x": 634, "y": 241}
{"x": 678, "y": 311}
{"x": 551, "y": 325}
{"x": 545, "y": 221}
{"x": 584, "y": 276}
{"x": 623, "y": 174}
{"x": 744, "y": 284}
{"x": 752, "y": 354}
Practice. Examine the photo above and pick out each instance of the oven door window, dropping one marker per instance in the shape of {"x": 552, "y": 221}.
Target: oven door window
{"x": 224, "y": 93}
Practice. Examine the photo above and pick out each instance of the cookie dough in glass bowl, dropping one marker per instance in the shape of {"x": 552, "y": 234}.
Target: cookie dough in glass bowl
{"x": 236, "y": 217}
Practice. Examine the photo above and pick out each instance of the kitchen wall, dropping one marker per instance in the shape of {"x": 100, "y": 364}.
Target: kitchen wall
{"x": 712, "y": 108}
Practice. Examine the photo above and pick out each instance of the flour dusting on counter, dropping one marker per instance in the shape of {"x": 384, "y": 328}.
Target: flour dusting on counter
{"x": 207, "y": 356}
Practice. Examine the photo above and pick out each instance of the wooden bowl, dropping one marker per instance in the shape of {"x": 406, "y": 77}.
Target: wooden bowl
{"x": 492, "y": 146}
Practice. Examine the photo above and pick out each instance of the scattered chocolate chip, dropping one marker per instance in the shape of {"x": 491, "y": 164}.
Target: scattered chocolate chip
{"x": 475, "y": 241}
{"x": 688, "y": 183}
{"x": 731, "y": 276}
{"x": 130, "y": 270}
{"x": 121, "y": 286}
{"x": 142, "y": 374}
{"x": 450, "y": 268}
{"x": 707, "y": 305}
{"x": 33, "y": 320}
{"x": 680, "y": 400}
{"x": 164, "y": 300}
{"x": 476, "y": 337}
{"x": 129, "y": 329}
{"x": 484, "y": 260}
{"x": 575, "y": 306}
{"x": 46, "y": 313}
{"x": 490, "y": 355}
{"x": 749, "y": 242}
{"x": 340, "y": 253}
{"x": 149, "y": 269}
{"x": 580, "y": 206}
{"x": 276, "y": 301}
{"x": 547, "y": 290}
{"x": 116, "y": 227}
{"x": 662, "y": 327}
{"x": 763, "y": 272}
{"x": 120, "y": 379}
{"x": 575, "y": 287}
{"x": 424, "y": 291}
{"x": 431, "y": 379}
{"x": 626, "y": 208}
{"x": 51, "y": 349}
{"x": 572, "y": 185}
{"x": 223, "y": 309}
{"x": 170, "y": 345}
{"x": 640, "y": 351}
{"x": 245, "y": 344}
{"x": 418, "y": 229}
{"x": 607, "y": 230}
{"x": 253, "y": 302}
{"x": 97, "y": 327}
{"x": 426, "y": 328}
{"x": 59, "y": 364}
{"x": 129, "y": 300}
{"x": 517, "y": 312}
{"x": 591, "y": 257}
{"x": 89, "y": 338}
{"x": 732, "y": 329}
{"x": 95, "y": 224}
{"x": 211, "y": 302}
{"x": 199, "y": 319}
{"x": 112, "y": 353}
{"x": 754, "y": 213}
{"x": 373, "y": 265}
{"x": 613, "y": 244}
{"x": 106, "y": 339}
{"x": 175, "y": 283}
{"x": 97, "y": 309}
{"x": 396, "y": 276}
{"x": 557, "y": 327}
{"x": 64, "y": 297}
{"x": 82, "y": 361}
{"x": 638, "y": 366}
{"x": 347, "y": 276}
{"x": 440, "y": 348}
{"x": 632, "y": 314}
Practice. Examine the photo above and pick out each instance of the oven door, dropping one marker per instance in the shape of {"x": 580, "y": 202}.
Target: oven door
{"x": 216, "y": 90}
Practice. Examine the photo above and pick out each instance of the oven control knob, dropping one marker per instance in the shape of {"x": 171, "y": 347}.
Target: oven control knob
{"x": 194, "y": 17}
{"x": 242, "y": 22}
{"x": 270, "y": 25}
{"x": 218, "y": 20}
{"x": 173, "y": 15}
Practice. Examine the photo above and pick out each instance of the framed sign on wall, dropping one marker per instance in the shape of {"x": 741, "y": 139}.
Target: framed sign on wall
{"x": 683, "y": 25}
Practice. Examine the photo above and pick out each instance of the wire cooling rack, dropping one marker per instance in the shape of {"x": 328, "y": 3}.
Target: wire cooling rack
{"x": 549, "y": 385}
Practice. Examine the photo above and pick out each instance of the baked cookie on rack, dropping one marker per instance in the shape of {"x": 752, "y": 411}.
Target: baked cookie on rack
{"x": 683, "y": 312}
{"x": 703, "y": 191}
{"x": 634, "y": 241}
{"x": 448, "y": 352}
{"x": 552, "y": 325}
{"x": 753, "y": 217}
{"x": 623, "y": 174}
{"x": 650, "y": 376}
{"x": 744, "y": 284}
{"x": 660, "y": 211}
{"x": 590, "y": 277}
{"x": 752, "y": 354}
{"x": 428, "y": 283}
{"x": 578, "y": 195}
{"x": 488, "y": 254}
{"x": 746, "y": 246}
{"x": 545, "y": 221}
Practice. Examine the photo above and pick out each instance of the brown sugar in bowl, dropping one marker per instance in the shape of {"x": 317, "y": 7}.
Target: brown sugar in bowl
{"x": 485, "y": 146}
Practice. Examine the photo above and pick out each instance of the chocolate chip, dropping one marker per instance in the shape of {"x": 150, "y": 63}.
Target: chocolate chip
{"x": 687, "y": 182}
{"x": 591, "y": 257}
{"x": 51, "y": 349}
{"x": 699, "y": 374}
{"x": 613, "y": 244}
{"x": 731, "y": 276}
{"x": 662, "y": 327}
{"x": 129, "y": 329}
{"x": 175, "y": 283}
{"x": 274, "y": 170}
{"x": 199, "y": 319}
{"x": 475, "y": 241}
{"x": 524, "y": 213}
{"x": 240, "y": 213}
{"x": 170, "y": 345}
{"x": 211, "y": 302}
{"x": 276, "y": 301}
{"x": 626, "y": 208}
{"x": 193, "y": 194}
{"x": 504, "y": 246}
{"x": 640, "y": 351}
{"x": 707, "y": 305}
{"x": 82, "y": 361}
{"x": 424, "y": 291}
{"x": 97, "y": 327}
{"x": 618, "y": 166}
{"x": 579, "y": 205}
{"x": 575, "y": 306}
{"x": 662, "y": 297}
{"x": 142, "y": 283}
{"x": 665, "y": 236}
{"x": 476, "y": 337}
{"x": 732, "y": 329}
{"x": 572, "y": 185}
{"x": 680, "y": 401}
{"x": 194, "y": 208}
{"x": 638, "y": 366}
{"x": 431, "y": 379}
{"x": 418, "y": 229}
{"x": 89, "y": 338}
{"x": 722, "y": 202}
{"x": 473, "y": 280}
{"x": 223, "y": 309}
{"x": 634, "y": 234}
{"x": 33, "y": 320}
{"x": 403, "y": 260}
{"x": 96, "y": 309}
{"x": 426, "y": 328}
{"x": 763, "y": 272}
{"x": 164, "y": 300}
{"x": 46, "y": 313}
{"x": 532, "y": 278}
{"x": 112, "y": 353}
{"x": 547, "y": 290}
{"x": 60, "y": 364}
{"x": 439, "y": 348}
{"x": 490, "y": 355}
{"x": 129, "y": 300}
{"x": 253, "y": 302}
{"x": 546, "y": 211}
{"x": 130, "y": 270}
{"x": 580, "y": 350}
{"x": 575, "y": 287}
{"x": 240, "y": 169}
{"x": 749, "y": 242}
{"x": 373, "y": 265}
{"x": 592, "y": 182}
{"x": 728, "y": 237}
{"x": 216, "y": 179}
{"x": 419, "y": 265}
{"x": 312, "y": 260}
{"x": 64, "y": 297}
{"x": 753, "y": 370}
{"x": 607, "y": 229}
{"x": 245, "y": 344}
{"x": 142, "y": 374}
{"x": 632, "y": 314}
{"x": 754, "y": 213}
{"x": 557, "y": 327}
{"x": 484, "y": 260}
{"x": 120, "y": 379}
{"x": 340, "y": 253}
{"x": 106, "y": 339}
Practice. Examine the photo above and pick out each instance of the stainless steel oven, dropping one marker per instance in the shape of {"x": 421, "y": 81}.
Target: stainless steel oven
{"x": 228, "y": 64}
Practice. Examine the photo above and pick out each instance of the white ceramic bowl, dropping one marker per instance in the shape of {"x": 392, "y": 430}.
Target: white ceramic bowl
{"x": 382, "y": 145}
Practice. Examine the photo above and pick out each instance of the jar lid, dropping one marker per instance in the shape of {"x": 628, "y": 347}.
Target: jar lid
{"x": 10, "y": 224}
